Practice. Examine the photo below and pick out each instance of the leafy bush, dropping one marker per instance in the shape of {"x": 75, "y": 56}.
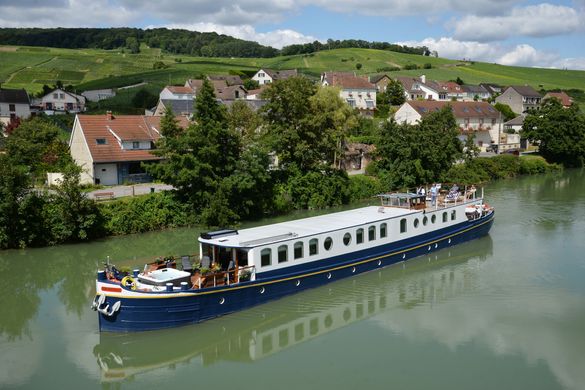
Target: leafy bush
{"x": 362, "y": 187}
{"x": 410, "y": 67}
{"x": 141, "y": 214}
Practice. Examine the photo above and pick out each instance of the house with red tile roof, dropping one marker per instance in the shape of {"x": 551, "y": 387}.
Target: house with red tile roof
{"x": 110, "y": 149}
{"x": 565, "y": 99}
{"x": 480, "y": 119}
{"x": 357, "y": 91}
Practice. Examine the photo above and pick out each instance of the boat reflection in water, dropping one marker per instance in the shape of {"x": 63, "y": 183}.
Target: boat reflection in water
{"x": 268, "y": 329}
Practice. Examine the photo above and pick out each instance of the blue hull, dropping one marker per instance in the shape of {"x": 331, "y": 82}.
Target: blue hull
{"x": 154, "y": 312}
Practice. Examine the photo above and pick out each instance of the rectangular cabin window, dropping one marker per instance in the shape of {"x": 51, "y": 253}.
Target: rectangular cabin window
{"x": 313, "y": 247}
{"x": 12, "y": 107}
{"x": 383, "y": 230}
{"x": 445, "y": 216}
{"x": 403, "y": 225}
{"x": 453, "y": 215}
{"x": 298, "y": 250}
{"x": 266, "y": 257}
{"x": 282, "y": 253}
{"x": 371, "y": 233}
{"x": 299, "y": 332}
{"x": 359, "y": 236}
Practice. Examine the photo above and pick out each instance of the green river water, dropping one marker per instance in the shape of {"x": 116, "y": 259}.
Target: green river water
{"x": 503, "y": 312}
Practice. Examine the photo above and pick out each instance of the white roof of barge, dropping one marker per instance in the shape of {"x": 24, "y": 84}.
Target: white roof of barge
{"x": 267, "y": 234}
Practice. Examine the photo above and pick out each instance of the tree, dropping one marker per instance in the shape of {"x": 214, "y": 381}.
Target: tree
{"x": 459, "y": 81}
{"x": 358, "y": 66}
{"x": 250, "y": 84}
{"x": 409, "y": 155}
{"x": 395, "y": 92}
{"x": 559, "y": 131}
{"x": 244, "y": 120}
{"x": 382, "y": 104}
{"x": 287, "y": 117}
{"x": 470, "y": 149}
{"x": 144, "y": 99}
{"x": 506, "y": 111}
{"x": 133, "y": 45}
{"x": 36, "y": 144}
{"x": 14, "y": 184}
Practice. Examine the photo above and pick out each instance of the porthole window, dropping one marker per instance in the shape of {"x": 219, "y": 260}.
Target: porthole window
{"x": 383, "y": 230}
{"x": 282, "y": 253}
{"x": 347, "y": 239}
{"x": 425, "y": 220}
{"x": 266, "y": 257}
{"x": 371, "y": 233}
{"x": 403, "y": 225}
{"x": 313, "y": 247}
{"x": 328, "y": 243}
{"x": 445, "y": 216}
{"x": 453, "y": 215}
{"x": 433, "y": 218}
{"x": 298, "y": 250}
{"x": 359, "y": 236}
{"x": 416, "y": 222}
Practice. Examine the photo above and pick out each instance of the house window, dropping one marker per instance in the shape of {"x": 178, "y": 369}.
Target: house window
{"x": 403, "y": 225}
{"x": 55, "y": 96}
{"x": 237, "y": 94}
{"x": 371, "y": 233}
{"x": 135, "y": 145}
{"x": 298, "y": 250}
{"x": 100, "y": 141}
{"x": 313, "y": 247}
{"x": 62, "y": 96}
{"x": 282, "y": 253}
{"x": 493, "y": 121}
{"x": 383, "y": 230}
{"x": 260, "y": 74}
{"x": 328, "y": 243}
{"x": 12, "y": 107}
{"x": 442, "y": 96}
{"x": 481, "y": 121}
{"x": 370, "y": 104}
{"x": 351, "y": 102}
{"x": 266, "y": 257}
{"x": 359, "y": 236}
{"x": 347, "y": 239}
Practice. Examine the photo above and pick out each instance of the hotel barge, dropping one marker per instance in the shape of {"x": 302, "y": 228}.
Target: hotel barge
{"x": 240, "y": 269}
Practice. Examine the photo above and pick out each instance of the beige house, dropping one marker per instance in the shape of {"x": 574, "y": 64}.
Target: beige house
{"x": 357, "y": 91}
{"x": 479, "y": 119}
{"x": 110, "y": 149}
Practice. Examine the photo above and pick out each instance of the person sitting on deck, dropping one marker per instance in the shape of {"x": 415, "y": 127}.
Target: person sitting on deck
{"x": 434, "y": 191}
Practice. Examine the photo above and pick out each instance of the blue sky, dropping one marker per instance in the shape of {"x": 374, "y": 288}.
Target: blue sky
{"x": 510, "y": 32}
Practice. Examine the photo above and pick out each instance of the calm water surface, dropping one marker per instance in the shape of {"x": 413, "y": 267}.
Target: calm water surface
{"x": 503, "y": 312}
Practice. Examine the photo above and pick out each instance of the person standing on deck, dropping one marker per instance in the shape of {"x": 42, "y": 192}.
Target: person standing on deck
{"x": 434, "y": 190}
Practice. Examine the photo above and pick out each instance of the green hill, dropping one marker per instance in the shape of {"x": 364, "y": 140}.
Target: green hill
{"x": 31, "y": 67}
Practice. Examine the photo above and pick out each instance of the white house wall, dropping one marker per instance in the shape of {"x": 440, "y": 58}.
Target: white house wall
{"x": 80, "y": 154}
{"x": 262, "y": 77}
{"x": 407, "y": 114}
{"x": 20, "y": 110}
{"x": 360, "y": 96}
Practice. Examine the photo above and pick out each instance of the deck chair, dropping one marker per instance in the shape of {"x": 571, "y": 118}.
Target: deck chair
{"x": 186, "y": 263}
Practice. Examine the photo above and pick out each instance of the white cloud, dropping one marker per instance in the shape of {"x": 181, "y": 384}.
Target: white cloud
{"x": 536, "y": 21}
{"x": 277, "y": 38}
{"x": 520, "y": 55}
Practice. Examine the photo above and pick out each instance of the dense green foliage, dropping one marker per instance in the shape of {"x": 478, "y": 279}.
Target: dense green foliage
{"x": 559, "y": 131}
{"x": 483, "y": 169}
{"x": 409, "y": 155}
{"x": 331, "y": 44}
{"x": 173, "y": 41}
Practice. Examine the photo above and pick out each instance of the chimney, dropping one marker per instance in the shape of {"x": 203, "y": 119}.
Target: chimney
{"x": 423, "y": 79}
{"x": 109, "y": 115}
